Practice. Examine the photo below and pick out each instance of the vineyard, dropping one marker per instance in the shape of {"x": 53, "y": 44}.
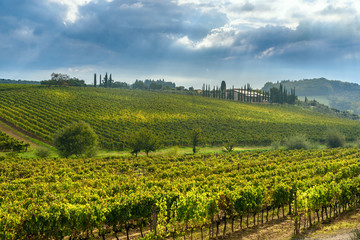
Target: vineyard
{"x": 8, "y": 144}
{"x": 180, "y": 196}
{"x": 117, "y": 114}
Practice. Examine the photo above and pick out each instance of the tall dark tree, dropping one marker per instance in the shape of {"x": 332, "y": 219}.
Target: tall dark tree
{"x": 106, "y": 80}
{"x": 223, "y": 89}
{"x": 94, "y": 79}
{"x": 110, "y": 81}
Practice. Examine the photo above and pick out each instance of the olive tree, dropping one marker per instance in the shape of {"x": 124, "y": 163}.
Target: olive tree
{"x": 143, "y": 140}
{"x": 77, "y": 138}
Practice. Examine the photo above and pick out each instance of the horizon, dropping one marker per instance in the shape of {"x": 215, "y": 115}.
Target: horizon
{"x": 182, "y": 41}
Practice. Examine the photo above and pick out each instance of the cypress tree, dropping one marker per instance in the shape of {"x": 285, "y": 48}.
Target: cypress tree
{"x": 223, "y": 90}
{"x": 94, "y": 79}
{"x": 106, "y": 80}
{"x": 110, "y": 80}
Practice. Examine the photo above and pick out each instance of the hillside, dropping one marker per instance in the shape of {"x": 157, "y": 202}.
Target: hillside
{"x": 336, "y": 94}
{"x": 117, "y": 114}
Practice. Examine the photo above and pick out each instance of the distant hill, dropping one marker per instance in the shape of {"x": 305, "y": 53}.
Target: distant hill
{"x": 336, "y": 94}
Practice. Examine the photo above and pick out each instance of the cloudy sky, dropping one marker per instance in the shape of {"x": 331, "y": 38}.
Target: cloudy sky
{"x": 190, "y": 42}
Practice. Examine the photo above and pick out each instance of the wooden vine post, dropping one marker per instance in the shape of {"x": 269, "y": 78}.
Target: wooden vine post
{"x": 296, "y": 216}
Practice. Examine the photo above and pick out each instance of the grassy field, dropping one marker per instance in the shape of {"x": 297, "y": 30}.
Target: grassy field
{"x": 117, "y": 114}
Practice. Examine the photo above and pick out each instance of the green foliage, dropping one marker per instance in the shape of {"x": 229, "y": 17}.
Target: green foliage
{"x": 144, "y": 140}
{"x": 60, "y": 79}
{"x": 57, "y": 198}
{"x": 9, "y": 144}
{"x": 195, "y": 138}
{"x": 335, "y": 139}
{"x": 229, "y": 145}
{"x": 77, "y": 139}
{"x": 115, "y": 114}
{"x": 296, "y": 142}
{"x": 340, "y": 95}
{"x": 43, "y": 153}
{"x": 275, "y": 145}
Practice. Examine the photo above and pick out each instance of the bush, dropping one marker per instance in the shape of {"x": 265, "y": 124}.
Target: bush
{"x": 297, "y": 142}
{"x": 335, "y": 139}
{"x": 42, "y": 153}
{"x": 77, "y": 139}
{"x": 275, "y": 145}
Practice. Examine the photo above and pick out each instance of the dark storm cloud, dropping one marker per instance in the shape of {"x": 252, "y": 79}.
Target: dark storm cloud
{"x": 123, "y": 26}
{"x": 310, "y": 40}
{"x": 218, "y": 34}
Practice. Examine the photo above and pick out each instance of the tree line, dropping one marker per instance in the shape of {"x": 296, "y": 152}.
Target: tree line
{"x": 159, "y": 84}
{"x": 248, "y": 94}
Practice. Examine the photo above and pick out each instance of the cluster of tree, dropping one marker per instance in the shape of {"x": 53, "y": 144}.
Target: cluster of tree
{"x": 322, "y": 108}
{"x": 60, "y": 79}
{"x": 9, "y": 81}
{"x": 336, "y": 94}
{"x": 79, "y": 139}
{"x": 153, "y": 84}
{"x": 108, "y": 82}
{"x": 243, "y": 94}
{"x": 281, "y": 95}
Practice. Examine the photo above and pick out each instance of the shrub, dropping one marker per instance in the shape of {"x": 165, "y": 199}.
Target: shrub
{"x": 335, "y": 139}
{"x": 42, "y": 153}
{"x": 275, "y": 145}
{"x": 297, "y": 142}
{"x": 77, "y": 139}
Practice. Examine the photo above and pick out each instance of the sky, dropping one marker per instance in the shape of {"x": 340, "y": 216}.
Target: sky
{"x": 189, "y": 42}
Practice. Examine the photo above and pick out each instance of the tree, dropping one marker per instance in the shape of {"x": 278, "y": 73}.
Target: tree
{"x": 63, "y": 80}
{"x": 229, "y": 144}
{"x": 77, "y": 139}
{"x": 135, "y": 144}
{"x": 149, "y": 141}
{"x": 143, "y": 140}
{"x": 335, "y": 139}
{"x": 195, "y": 139}
{"x": 223, "y": 89}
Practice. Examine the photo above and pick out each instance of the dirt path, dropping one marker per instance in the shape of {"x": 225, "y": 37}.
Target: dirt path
{"x": 340, "y": 228}
{"x": 5, "y": 128}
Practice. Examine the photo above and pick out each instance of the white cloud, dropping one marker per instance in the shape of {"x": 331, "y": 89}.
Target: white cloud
{"x": 72, "y": 13}
{"x": 217, "y": 38}
{"x": 131, "y": 6}
{"x": 267, "y": 53}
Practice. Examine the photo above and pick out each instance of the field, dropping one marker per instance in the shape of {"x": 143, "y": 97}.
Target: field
{"x": 170, "y": 194}
{"x": 117, "y": 114}
{"x": 54, "y": 198}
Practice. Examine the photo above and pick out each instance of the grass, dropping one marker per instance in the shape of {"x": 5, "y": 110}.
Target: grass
{"x": 171, "y": 151}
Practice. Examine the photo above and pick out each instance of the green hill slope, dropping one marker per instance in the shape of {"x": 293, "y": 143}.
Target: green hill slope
{"x": 336, "y": 94}
{"x": 117, "y": 114}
